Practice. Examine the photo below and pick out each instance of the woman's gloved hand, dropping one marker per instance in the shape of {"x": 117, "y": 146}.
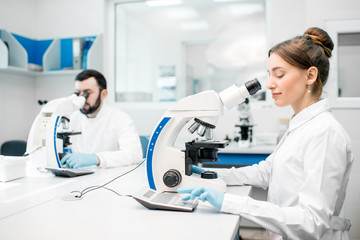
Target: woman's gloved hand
{"x": 213, "y": 196}
{"x": 197, "y": 170}
{"x": 77, "y": 160}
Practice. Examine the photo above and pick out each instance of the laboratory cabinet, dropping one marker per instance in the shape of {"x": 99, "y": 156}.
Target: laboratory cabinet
{"x": 22, "y": 55}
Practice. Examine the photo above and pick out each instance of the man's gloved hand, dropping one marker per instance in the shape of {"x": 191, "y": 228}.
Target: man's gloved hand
{"x": 213, "y": 196}
{"x": 197, "y": 170}
{"x": 77, "y": 160}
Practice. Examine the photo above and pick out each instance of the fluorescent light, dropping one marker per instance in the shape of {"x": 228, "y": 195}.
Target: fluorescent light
{"x": 158, "y": 3}
{"x": 245, "y": 9}
{"x": 227, "y": 0}
{"x": 182, "y": 13}
{"x": 194, "y": 25}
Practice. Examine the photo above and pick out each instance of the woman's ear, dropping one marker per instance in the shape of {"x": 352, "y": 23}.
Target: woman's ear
{"x": 311, "y": 74}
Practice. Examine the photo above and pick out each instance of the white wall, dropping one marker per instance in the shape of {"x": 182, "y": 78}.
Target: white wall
{"x": 16, "y": 92}
{"x": 47, "y": 19}
{"x": 68, "y": 18}
{"x": 286, "y": 19}
{"x": 18, "y": 16}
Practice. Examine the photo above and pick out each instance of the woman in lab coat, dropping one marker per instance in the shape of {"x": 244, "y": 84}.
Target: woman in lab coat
{"x": 308, "y": 172}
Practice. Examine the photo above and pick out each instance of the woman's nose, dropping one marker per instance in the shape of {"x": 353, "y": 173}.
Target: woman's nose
{"x": 270, "y": 85}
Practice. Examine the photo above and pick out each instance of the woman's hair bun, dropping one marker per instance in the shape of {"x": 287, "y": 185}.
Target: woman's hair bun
{"x": 320, "y": 38}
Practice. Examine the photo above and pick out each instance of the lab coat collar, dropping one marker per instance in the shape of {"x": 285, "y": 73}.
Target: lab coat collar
{"x": 102, "y": 111}
{"x": 99, "y": 114}
{"x": 309, "y": 113}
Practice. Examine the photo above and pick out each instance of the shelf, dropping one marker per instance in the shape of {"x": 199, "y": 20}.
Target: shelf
{"x": 17, "y": 70}
{"x": 54, "y": 56}
{"x": 60, "y": 72}
{"x": 22, "y": 71}
{"x": 16, "y": 54}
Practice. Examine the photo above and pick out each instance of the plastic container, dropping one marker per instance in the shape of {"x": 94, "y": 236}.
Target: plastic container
{"x": 12, "y": 167}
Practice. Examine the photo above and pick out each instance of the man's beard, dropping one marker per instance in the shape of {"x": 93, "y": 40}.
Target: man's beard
{"x": 92, "y": 109}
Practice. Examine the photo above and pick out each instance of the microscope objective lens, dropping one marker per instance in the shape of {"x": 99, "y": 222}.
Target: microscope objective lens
{"x": 209, "y": 133}
{"x": 194, "y": 127}
{"x": 201, "y": 130}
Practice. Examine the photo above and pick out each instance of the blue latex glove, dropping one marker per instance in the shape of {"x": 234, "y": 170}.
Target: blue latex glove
{"x": 197, "y": 170}
{"x": 77, "y": 160}
{"x": 213, "y": 196}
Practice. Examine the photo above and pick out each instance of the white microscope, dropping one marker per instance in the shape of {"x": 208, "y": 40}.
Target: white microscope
{"x": 169, "y": 168}
{"x": 245, "y": 124}
{"x": 49, "y": 135}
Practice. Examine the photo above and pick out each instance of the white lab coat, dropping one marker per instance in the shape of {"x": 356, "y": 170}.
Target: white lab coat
{"x": 306, "y": 176}
{"x": 111, "y": 135}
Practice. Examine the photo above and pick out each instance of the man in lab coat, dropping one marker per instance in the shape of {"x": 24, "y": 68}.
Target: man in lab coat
{"x": 108, "y": 136}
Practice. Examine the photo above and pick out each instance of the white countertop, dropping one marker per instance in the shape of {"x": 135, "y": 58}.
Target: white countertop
{"x": 32, "y": 208}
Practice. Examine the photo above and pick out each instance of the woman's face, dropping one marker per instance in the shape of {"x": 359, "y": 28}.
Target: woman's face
{"x": 287, "y": 83}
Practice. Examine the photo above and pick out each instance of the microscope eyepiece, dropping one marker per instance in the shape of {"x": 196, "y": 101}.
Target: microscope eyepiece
{"x": 86, "y": 95}
{"x": 235, "y": 94}
{"x": 253, "y": 86}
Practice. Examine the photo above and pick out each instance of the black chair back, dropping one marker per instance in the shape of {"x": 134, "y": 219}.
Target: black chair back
{"x": 13, "y": 148}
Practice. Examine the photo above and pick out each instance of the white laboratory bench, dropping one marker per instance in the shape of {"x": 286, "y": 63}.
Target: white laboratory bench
{"x": 32, "y": 208}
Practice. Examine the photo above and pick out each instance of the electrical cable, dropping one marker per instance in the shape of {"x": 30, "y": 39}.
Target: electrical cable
{"x": 32, "y": 151}
{"x": 92, "y": 188}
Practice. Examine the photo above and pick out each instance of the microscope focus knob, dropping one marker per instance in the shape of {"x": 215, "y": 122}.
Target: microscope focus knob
{"x": 172, "y": 178}
{"x": 209, "y": 175}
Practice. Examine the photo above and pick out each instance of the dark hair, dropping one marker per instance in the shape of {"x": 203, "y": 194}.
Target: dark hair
{"x": 100, "y": 79}
{"x": 311, "y": 49}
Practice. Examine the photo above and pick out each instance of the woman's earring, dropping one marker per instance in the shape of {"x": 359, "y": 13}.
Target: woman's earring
{"x": 308, "y": 87}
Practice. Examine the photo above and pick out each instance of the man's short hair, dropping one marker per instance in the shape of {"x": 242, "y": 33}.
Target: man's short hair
{"x": 100, "y": 79}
